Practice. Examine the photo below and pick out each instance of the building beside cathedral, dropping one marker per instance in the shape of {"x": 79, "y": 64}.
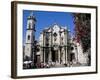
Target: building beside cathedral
{"x": 55, "y": 47}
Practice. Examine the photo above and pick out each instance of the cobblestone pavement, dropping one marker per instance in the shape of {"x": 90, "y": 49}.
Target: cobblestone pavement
{"x": 59, "y": 65}
{"x": 70, "y": 65}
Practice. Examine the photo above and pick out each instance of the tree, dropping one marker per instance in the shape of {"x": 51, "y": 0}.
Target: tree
{"x": 83, "y": 29}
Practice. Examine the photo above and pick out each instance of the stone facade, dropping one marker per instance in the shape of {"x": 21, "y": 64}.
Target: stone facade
{"x": 53, "y": 44}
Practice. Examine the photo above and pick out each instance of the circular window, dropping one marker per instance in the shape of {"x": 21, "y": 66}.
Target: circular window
{"x": 72, "y": 48}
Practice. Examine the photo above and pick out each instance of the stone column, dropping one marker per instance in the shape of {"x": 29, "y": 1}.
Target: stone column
{"x": 63, "y": 55}
{"x": 44, "y": 47}
{"x": 44, "y": 56}
{"x": 41, "y": 54}
{"x": 60, "y": 55}
{"x": 60, "y": 48}
{"x": 50, "y": 56}
{"x": 50, "y": 45}
{"x": 66, "y": 35}
{"x": 59, "y": 58}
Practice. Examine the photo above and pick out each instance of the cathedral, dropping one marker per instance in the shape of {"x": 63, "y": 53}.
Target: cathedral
{"x": 55, "y": 46}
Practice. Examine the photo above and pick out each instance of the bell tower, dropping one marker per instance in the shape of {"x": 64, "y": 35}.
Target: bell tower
{"x": 30, "y": 37}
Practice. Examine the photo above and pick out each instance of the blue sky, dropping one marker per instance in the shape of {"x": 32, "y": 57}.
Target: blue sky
{"x": 47, "y": 18}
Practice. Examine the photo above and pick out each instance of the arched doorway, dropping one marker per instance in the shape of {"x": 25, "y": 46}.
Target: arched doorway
{"x": 54, "y": 55}
{"x": 72, "y": 57}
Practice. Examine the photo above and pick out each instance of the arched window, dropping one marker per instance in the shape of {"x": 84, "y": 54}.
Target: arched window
{"x": 55, "y": 39}
{"x": 28, "y": 37}
{"x": 55, "y": 34}
{"x": 62, "y": 38}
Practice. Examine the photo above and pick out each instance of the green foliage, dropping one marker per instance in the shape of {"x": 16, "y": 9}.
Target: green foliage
{"x": 83, "y": 29}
